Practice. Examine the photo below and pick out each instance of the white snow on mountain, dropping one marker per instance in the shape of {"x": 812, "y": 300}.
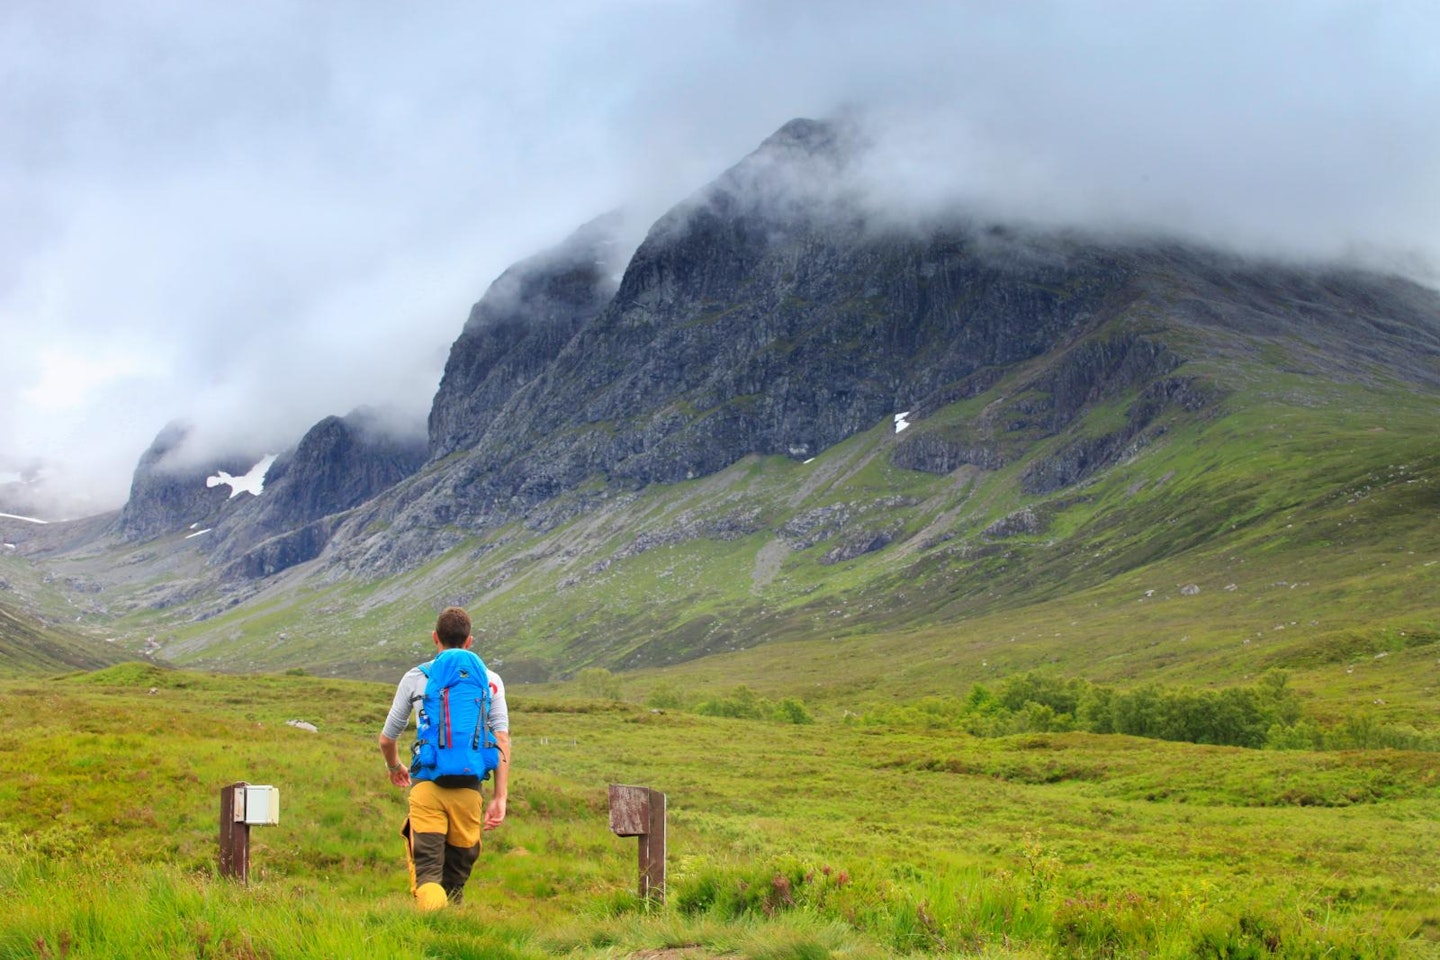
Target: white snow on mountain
{"x": 252, "y": 482}
{"x": 900, "y": 422}
{"x": 197, "y": 533}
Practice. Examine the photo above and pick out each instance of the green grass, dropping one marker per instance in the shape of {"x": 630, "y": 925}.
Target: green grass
{"x": 831, "y": 839}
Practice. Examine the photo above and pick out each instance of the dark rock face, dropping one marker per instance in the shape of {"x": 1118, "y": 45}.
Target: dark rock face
{"x": 340, "y": 463}
{"x": 168, "y": 495}
{"x": 933, "y": 453}
{"x": 760, "y": 317}
{"x": 516, "y": 330}
{"x": 284, "y": 551}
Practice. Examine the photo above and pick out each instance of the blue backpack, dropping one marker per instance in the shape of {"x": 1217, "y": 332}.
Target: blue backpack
{"x": 453, "y": 736}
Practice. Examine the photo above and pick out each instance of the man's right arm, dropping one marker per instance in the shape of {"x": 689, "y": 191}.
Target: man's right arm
{"x": 399, "y": 773}
{"x": 395, "y": 722}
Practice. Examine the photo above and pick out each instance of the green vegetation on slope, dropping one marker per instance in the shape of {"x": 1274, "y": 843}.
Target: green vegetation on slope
{"x": 1312, "y": 508}
{"x": 27, "y": 646}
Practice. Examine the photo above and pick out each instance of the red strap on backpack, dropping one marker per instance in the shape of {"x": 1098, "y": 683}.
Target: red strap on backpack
{"x": 445, "y": 732}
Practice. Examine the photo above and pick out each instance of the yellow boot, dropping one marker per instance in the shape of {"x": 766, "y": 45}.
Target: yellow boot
{"x": 430, "y": 896}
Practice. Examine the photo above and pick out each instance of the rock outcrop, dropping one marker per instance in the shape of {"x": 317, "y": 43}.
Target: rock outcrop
{"x": 340, "y": 463}
{"x": 169, "y": 493}
{"x": 517, "y": 329}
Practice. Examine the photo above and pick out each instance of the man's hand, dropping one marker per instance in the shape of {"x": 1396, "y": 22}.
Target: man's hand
{"x": 399, "y": 773}
{"x": 495, "y": 813}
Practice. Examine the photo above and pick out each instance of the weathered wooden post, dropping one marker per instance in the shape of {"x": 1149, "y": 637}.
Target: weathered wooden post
{"x": 241, "y": 806}
{"x": 640, "y": 812}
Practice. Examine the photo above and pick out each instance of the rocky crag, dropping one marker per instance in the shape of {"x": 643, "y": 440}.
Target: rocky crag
{"x": 339, "y": 463}
{"x": 169, "y": 492}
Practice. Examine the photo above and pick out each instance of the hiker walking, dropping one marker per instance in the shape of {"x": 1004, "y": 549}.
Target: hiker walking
{"x": 462, "y": 735}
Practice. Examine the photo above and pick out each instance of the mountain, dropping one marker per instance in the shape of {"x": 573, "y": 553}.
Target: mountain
{"x": 339, "y": 463}
{"x": 766, "y": 316}
{"x": 514, "y": 333}
{"x": 794, "y": 419}
{"x": 169, "y": 491}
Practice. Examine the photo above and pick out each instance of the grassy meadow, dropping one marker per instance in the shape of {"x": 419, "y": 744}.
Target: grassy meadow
{"x": 845, "y": 836}
{"x": 1183, "y": 708}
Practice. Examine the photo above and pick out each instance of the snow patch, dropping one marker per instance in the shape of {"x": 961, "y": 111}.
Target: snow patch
{"x": 252, "y": 482}
{"x": 12, "y": 516}
{"x": 8, "y": 546}
{"x": 900, "y": 422}
{"x": 192, "y": 536}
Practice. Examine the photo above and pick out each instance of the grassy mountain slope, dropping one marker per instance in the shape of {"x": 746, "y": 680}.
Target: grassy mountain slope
{"x": 32, "y": 642}
{"x": 29, "y": 646}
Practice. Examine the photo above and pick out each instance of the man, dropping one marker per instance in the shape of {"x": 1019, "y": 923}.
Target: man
{"x": 443, "y": 830}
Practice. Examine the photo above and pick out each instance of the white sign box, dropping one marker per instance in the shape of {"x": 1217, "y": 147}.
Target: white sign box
{"x": 262, "y": 804}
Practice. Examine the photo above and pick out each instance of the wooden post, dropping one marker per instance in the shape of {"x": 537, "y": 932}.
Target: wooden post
{"x": 652, "y": 851}
{"x": 640, "y": 812}
{"x": 234, "y": 833}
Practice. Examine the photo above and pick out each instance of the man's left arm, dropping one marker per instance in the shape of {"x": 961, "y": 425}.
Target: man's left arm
{"x": 495, "y": 813}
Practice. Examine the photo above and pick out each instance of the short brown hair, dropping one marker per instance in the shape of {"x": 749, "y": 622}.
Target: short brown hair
{"x": 453, "y": 627}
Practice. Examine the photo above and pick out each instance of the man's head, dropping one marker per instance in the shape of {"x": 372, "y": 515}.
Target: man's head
{"x": 452, "y": 629}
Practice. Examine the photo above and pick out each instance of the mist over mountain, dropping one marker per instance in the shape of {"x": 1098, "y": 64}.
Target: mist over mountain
{"x": 515, "y": 331}
{"x": 770, "y": 313}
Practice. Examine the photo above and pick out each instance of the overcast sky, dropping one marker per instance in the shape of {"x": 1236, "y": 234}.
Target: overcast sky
{"x": 253, "y": 215}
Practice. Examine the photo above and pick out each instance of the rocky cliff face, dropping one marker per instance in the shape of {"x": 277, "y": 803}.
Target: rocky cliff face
{"x": 339, "y": 463}
{"x": 516, "y": 330}
{"x": 761, "y": 316}
{"x": 770, "y": 314}
{"x": 168, "y": 493}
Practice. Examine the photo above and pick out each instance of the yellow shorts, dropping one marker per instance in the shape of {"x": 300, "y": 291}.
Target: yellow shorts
{"x": 453, "y": 811}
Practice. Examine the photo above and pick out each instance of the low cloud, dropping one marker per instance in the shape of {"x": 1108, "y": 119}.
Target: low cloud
{"x": 255, "y": 216}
